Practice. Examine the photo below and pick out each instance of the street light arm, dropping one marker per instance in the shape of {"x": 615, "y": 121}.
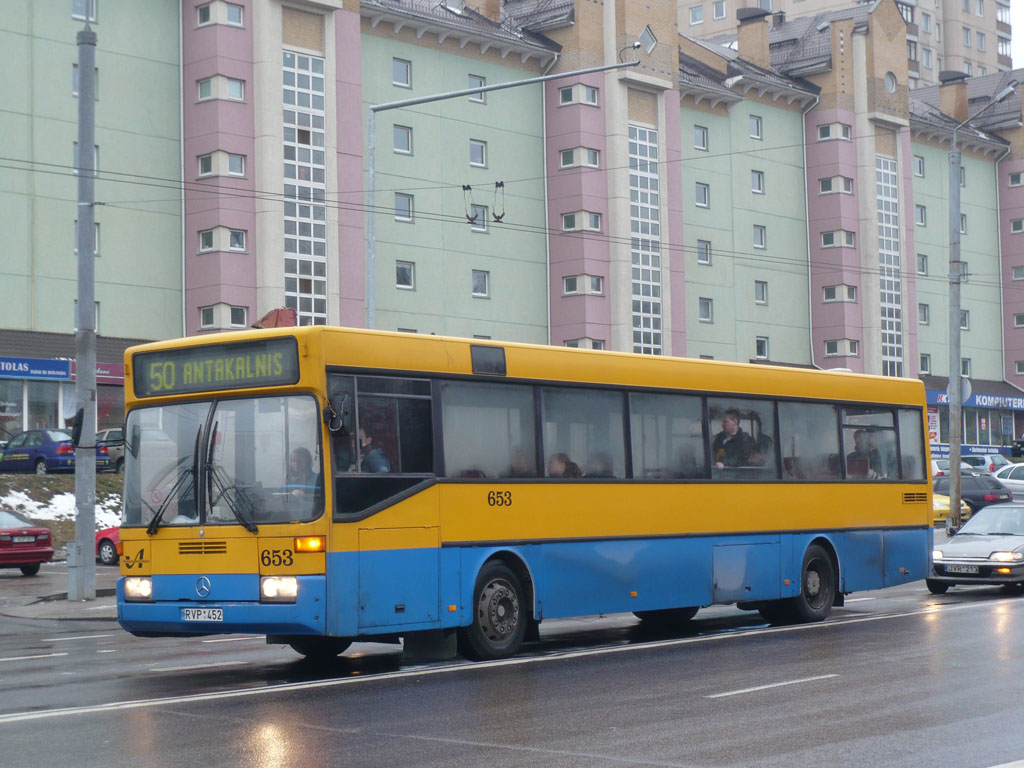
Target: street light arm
{"x": 1001, "y": 96}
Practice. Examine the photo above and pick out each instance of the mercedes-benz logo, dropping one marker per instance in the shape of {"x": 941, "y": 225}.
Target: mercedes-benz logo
{"x": 203, "y": 586}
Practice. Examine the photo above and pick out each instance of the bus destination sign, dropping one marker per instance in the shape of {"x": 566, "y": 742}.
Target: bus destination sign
{"x": 237, "y": 365}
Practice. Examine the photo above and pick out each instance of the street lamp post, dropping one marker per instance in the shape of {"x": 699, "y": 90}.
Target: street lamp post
{"x": 371, "y": 228}
{"x": 955, "y": 390}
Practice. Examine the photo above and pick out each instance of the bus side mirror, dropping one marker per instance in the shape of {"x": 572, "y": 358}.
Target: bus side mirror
{"x": 76, "y": 426}
{"x": 336, "y": 415}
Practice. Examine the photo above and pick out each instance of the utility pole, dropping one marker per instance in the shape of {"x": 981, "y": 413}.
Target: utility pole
{"x": 955, "y": 389}
{"x": 371, "y": 226}
{"x": 81, "y": 560}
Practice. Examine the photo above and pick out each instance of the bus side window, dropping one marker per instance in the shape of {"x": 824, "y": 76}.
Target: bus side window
{"x": 584, "y": 434}
{"x": 911, "y": 444}
{"x": 743, "y": 440}
{"x": 810, "y": 441}
{"x": 341, "y": 389}
{"x": 488, "y": 430}
{"x": 667, "y": 436}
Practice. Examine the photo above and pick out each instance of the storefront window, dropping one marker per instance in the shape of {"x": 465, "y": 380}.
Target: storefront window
{"x": 984, "y": 422}
{"x": 943, "y": 424}
{"x": 42, "y": 404}
{"x": 11, "y": 401}
{"x": 970, "y": 426}
{"x": 109, "y": 406}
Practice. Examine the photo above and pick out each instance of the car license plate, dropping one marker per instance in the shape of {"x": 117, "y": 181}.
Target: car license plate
{"x": 202, "y": 614}
{"x": 961, "y": 569}
{"x": 23, "y": 539}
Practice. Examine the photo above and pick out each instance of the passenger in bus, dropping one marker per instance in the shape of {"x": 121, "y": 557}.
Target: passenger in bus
{"x": 732, "y": 447}
{"x": 521, "y": 465}
{"x": 374, "y": 459}
{"x": 863, "y": 460}
{"x": 300, "y": 468}
{"x": 560, "y": 465}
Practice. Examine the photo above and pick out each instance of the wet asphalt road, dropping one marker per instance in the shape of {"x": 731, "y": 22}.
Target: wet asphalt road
{"x": 894, "y": 678}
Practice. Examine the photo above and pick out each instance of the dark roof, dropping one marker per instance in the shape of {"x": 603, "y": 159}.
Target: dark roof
{"x": 980, "y": 91}
{"x": 538, "y": 15}
{"x": 978, "y": 386}
{"x": 50, "y": 346}
{"x": 454, "y": 14}
{"x": 693, "y": 71}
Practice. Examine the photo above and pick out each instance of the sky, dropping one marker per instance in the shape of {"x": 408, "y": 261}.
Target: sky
{"x": 1017, "y": 22}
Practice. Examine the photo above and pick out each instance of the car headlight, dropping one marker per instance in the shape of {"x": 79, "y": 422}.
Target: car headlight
{"x": 936, "y": 554}
{"x": 1006, "y": 557}
{"x": 138, "y": 588}
{"x": 279, "y": 589}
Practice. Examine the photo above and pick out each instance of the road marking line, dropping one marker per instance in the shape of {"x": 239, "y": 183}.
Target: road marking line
{"x": 37, "y": 656}
{"x": 107, "y": 650}
{"x": 77, "y": 637}
{"x": 118, "y": 706}
{"x": 197, "y": 666}
{"x": 859, "y": 599}
{"x": 769, "y": 685}
{"x": 232, "y": 639}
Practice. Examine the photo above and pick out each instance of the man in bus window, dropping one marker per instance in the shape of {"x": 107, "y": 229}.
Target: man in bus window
{"x": 732, "y": 447}
{"x": 864, "y": 458}
{"x": 374, "y": 459}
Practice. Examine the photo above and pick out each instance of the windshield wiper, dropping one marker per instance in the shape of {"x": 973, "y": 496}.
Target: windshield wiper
{"x": 188, "y": 473}
{"x": 216, "y": 476}
{"x": 1002, "y": 533}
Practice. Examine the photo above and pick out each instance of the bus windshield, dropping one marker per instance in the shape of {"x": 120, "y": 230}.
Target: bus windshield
{"x": 244, "y": 462}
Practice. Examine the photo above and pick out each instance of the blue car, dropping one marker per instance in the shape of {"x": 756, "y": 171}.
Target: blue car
{"x": 43, "y": 451}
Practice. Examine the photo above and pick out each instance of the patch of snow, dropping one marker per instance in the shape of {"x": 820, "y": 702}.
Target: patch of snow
{"x": 62, "y": 507}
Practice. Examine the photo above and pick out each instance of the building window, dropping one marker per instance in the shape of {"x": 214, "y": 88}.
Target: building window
{"x": 761, "y": 347}
{"x": 705, "y": 310}
{"x": 889, "y": 267}
{"x": 922, "y": 264}
{"x": 203, "y": 15}
{"x": 645, "y": 245}
{"x": 979, "y": 41}
{"x": 403, "y": 139}
{"x": 590, "y": 95}
{"x": 238, "y": 317}
{"x": 236, "y": 165}
{"x": 920, "y": 215}
{"x": 926, "y": 58}
{"x": 965, "y": 366}
{"x": 481, "y": 283}
{"x": 757, "y": 182}
{"x": 206, "y": 240}
{"x": 476, "y": 81}
{"x": 205, "y": 165}
{"x": 755, "y": 127}
{"x": 593, "y": 158}
{"x": 401, "y": 73}
{"x": 405, "y": 275}
{"x": 926, "y": 22}
{"x": 403, "y": 207}
{"x": 700, "y": 138}
{"x": 648, "y": 40}
{"x": 840, "y": 238}
{"x": 923, "y": 314}
{"x": 967, "y": 37}
{"x": 1020, "y": 367}
{"x": 696, "y": 15}
{"x": 760, "y": 236}
{"x": 478, "y": 153}
{"x": 965, "y": 320}
{"x": 236, "y": 90}
{"x": 925, "y": 363}
{"x": 236, "y": 239}
{"x": 565, "y": 95}
{"x": 760, "y": 291}
{"x": 830, "y": 131}
{"x": 205, "y": 89}
{"x": 570, "y": 285}
{"x": 478, "y": 215}
{"x": 233, "y": 14}
{"x": 831, "y": 349}
{"x": 919, "y": 166}
{"x": 963, "y": 223}
{"x": 835, "y": 184}
{"x": 718, "y": 9}
{"x": 1016, "y": 179}
{"x": 206, "y": 317}
{"x": 568, "y": 158}
{"x": 1018, "y": 273}
{"x": 1017, "y": 226}
{"x": 83, "y": 9}
{"x": 569, "y": 223}
{"x": 703, "y": 251}
{"x": 1018, "y": 320}
{"x": 702, "y": 196}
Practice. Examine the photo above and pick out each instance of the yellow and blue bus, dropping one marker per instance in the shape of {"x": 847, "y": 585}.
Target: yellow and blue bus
{"x": 320, "y": 485}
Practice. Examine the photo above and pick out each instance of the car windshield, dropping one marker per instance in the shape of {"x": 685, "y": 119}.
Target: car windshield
{"x": 11, "y": 520}
{"x": 995, "y": 521}
{"x": 58, "y": 435}
{"x": 234, "y": 462}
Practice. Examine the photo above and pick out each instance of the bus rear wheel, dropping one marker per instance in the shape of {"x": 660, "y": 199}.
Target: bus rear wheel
{"x": 500, "y": 615}
{"x": 667, "y": 618}
{"x": 320, "y": 647}
{"x": 817, "y": 586}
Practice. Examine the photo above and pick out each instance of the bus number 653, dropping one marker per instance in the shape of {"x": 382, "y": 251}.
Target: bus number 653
{"x": 499, "y": 498}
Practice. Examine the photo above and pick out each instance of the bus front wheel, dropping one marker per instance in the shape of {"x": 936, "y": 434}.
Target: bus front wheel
{"x": 500, "y": 615}
{"x": 314, "y": 647}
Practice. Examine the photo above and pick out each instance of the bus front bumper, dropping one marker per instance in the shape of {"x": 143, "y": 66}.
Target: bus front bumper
{"x": 177, "y": 611}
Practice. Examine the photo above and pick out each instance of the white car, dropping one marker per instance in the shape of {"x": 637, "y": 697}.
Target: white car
{"x": 987, "y": 462}
{"x": 1012, "y": 476}
{"x": 940, "y": 467}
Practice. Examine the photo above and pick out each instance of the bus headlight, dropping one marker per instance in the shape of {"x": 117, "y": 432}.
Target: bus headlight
{"x": 138, "y": 588}
{"x": 278, "y": 589}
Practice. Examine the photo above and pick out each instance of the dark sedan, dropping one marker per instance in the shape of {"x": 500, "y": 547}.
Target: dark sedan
{"x": 988, "y": 549}
{"x": 23, "y": 544}
{"x": 977, "y": 489}
{"x": 43, "y": 451}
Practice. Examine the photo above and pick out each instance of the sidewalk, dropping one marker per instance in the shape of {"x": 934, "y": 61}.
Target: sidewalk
{"x": 58, "y": 607}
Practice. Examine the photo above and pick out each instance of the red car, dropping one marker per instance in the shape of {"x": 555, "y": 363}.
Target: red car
{"x": 107, "y": 541}
{"x": 23, "y": 544}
